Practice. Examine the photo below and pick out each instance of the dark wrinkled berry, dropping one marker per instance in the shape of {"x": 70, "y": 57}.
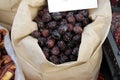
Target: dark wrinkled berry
{"x": 56, "y": 35}
{"x": 41, "y": 41}
{"x": 68, "y": 52}
{"x": 64, "y": 14}
{"x": 50, "y": 43}
{"x": 70, "y": 27}
{"x": 46, "y": 49}
{"x": 40, "y": 13}
{"x": 55, "y": 50}
{"x": 61, "y": 45}
{"x": 45, "y": 10}
{"x": 62, "y": 29}
{"x": 77, "y": 38}
{"x": 52, "y": 25}
{"x": 64, "y": 59}
{"x": 78, "y": 24}
{"x": 67, "y": 36}
{"x": 71, "y": 44}
{"x": 46, "y": 52}
{"x": 35, "y": 34}
{"x": 54, "y": 59}
{"x": 40, "y": 25}
{"x": 73, "y": 58}
{"x": 86, "y": 21}
{"x": 57, "y": 16}
{"x": 70, "y": 18}
{"x": 75, "y": 51}
{"x": 46, "y": 17}
{"x": 77, "y": 29}
{"x": 84, "y": 12}
{"x": 79, "y": 17}
{"x": 37, "y": 19}
{"x": 45, "y": 33}
{"x": 63, "y": 22}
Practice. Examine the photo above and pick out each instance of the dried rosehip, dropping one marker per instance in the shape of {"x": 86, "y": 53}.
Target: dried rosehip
{"x": 41, "y": 41}
{"x": 46, "y": 52}
{"x": 71, "y": 44}
{"x": 40, "y": 25}
{"x": 56, "y": 35}
{"x": 84, "y": 13}
{"x": 63, "y": 22}
{"x": 52, "y": 25}
{"x": 79, "y": 17}
{"x": 54, "y": 59}
{"x": 56, "y": 16}
{"x": 61, "y": 45}
{"x": 68, "y": 52}
{"x": 64, "y": 14}
{"x": 55, "y": 50}
{"x": 67, "y": 36}
{"x": 77, "y": 38}
{"x": 77, "y": 29}
{"x": 75, "y": 51}
{"x": 86, "y": 21}
{"x": 45, "y": 9}
{"x": 63, "y": 59}
{"x": 35, "y": 34}
{"x": 70, "y": 18}
{"x": 46, "y": 17}
{"x": 40, "y": 13}
{"x": 50, "y": 43}
{"x": 62, "y": 29}
{"x": 60, "y": 34}
{"x": 73, "y": 58}
{"x": 70, "y": 27}
{"x": 45, "y": 33}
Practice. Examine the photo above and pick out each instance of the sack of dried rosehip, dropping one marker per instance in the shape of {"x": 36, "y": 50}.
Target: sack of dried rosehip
{"x": 60, "y": 46}
{"x": 9, "y": 69}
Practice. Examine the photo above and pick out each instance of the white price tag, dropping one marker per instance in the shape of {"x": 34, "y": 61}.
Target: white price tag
{"x": 68, "y": 5}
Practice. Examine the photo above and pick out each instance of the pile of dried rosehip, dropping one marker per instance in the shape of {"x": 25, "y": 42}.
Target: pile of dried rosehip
{"x": 7, "y": 67}
{"x": 59, "y": 34}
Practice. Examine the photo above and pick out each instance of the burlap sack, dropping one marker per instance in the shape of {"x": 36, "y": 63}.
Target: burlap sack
{"x": 8, "y": 10}
{"x": 32, "y": 59}
{"x": 8, "y": 46}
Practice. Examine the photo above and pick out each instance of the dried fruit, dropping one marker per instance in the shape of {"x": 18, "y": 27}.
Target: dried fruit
{"x": 70, "y": 18}
{"x": 56, "y": 35}
{"x": 45, "y": 33}
{"x": 52, "y": 25}
{"x": 50, "y": 43}
{"x": 54, "y": 59}
{"x": 57, "y": 16}
{"x": 62, "y": 29}
{"x": 46, "y": 17}
{"x": 60, "y": 34}
{"x": 41, "y": 41}
{"x": 61, "y": 45}
{"x": 35, "y": 34}
{"x": 55, "y": 50}
{"x": 77, "y": 29}
{"x": 7, "y": 67}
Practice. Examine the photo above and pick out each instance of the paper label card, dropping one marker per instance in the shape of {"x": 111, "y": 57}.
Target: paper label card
{"x": 68, "y": 5}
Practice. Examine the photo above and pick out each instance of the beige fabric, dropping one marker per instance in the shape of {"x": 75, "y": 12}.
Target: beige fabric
{"x": 32, "y": 59}
{"x": 8, "y": 10}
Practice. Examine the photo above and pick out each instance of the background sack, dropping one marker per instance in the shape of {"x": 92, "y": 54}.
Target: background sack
{"x": 8, "y": 10}
{"x": 32, "y": 59}
{"x": 18, "y": 73}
